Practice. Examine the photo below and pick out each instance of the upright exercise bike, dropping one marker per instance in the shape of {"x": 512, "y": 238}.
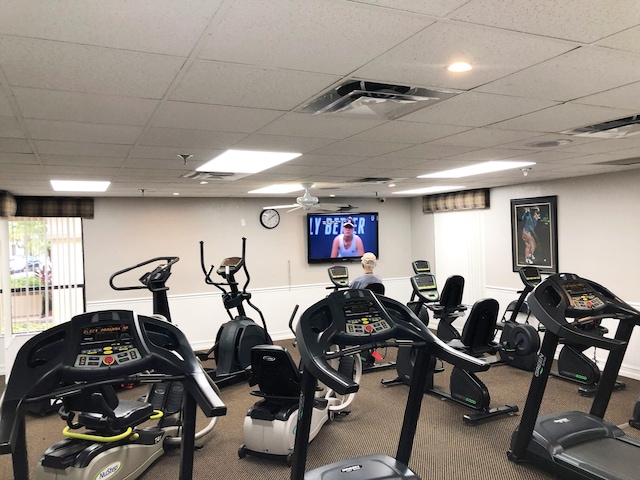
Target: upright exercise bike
{"x": 166, "y": 397}
{"x": 465, "y": 388}
{"x": 235, "y": 338}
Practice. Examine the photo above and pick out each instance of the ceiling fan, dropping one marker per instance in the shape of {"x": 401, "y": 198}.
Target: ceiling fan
{"x": 309, "y": 202}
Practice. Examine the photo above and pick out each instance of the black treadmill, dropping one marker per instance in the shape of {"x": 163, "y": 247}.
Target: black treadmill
{"x": 358, "y": 320}
{"x": 102, "y": 348}
{"x": 577, "y": 445}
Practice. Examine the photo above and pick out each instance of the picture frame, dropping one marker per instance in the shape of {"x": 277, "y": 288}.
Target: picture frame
{"x": 534, "y": 233}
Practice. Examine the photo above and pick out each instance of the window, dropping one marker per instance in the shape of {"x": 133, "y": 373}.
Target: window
{"x": 46, "y": 270}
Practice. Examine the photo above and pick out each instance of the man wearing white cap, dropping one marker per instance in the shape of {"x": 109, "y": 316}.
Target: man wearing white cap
{"x": 368, "y": 262}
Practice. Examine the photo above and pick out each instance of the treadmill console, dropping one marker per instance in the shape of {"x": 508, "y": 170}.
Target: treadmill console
{"x": 362, "y": 317}
{"x": 583, "y": 299}
{"x": 425, "y": 285}
{"x": 106, "y": 345}
{"x": 339, "y": 276}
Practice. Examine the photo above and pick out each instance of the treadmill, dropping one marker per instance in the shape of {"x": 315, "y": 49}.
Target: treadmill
{"x": 577, "y": 445}
{"x": 357, "y": 320}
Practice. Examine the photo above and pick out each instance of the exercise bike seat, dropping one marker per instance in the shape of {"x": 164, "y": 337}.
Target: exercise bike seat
{"x": 450, "y": 302}
{"x": 479, "y": 329}
{"x": 274, "y": 371}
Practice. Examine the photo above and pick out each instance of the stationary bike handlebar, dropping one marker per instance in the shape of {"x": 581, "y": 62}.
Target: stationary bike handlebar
{"x": 166, "y": 267}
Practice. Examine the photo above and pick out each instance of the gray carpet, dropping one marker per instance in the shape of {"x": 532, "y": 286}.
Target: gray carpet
{"x": 445, "y": 448}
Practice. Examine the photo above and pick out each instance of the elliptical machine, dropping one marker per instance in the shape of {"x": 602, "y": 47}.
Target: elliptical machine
{"x": 235, "y": 338}
{"x": 270, "y": 424}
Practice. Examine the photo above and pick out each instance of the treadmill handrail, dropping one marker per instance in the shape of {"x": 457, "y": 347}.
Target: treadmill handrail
{"x": 321, "y": 326}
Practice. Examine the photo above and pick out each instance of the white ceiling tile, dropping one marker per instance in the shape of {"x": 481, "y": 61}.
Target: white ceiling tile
{"x": 282, "y": 143}
{"x": 333, "y": 37}
{"x": 323, "y": 126}
{"x": 562, "y": 117}
{"x": 5, "y": 106}
{"x": 88, "y": 149}
{"x": 431, "y": 151}
{"x": 15, "y": 145}
{"x": 213, "y": 117}
{"x": 82, "y": 132}
{"x": 581, "y": 72}
{"x": 579, "y": 20}
{"x": 161, "y": 152}
{"x": 407, "y": 132}
{"x": 422, "y": 59}
{"x": 51, "y": 65}
{"x": 74, "y": 160}
{"x": 627, "y": 40}
{"x": 477, "y": 109}
{"x": 438, "y": 8}
{"x": 18, "y": 158}
{"x": 83, "y": 107}
{"x": 180, "y": 137}
{"x": 364, "y": 149}
{"x": 249, "y": 86}
{"x": 143, "y": 25}
{"x": 10, "y": 128}
{"x": 627, "y": 97}
{"x": 485, "y": 137}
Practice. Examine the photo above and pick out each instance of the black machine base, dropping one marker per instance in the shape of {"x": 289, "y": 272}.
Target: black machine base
{"x": 371, "y": 467}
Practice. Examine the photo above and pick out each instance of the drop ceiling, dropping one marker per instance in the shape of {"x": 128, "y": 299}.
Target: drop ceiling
{"x": 118, "y": 90}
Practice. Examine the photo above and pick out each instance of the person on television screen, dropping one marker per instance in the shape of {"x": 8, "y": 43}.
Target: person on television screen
{"x": 368, "y": 262}
{"x": 347, "y": 244}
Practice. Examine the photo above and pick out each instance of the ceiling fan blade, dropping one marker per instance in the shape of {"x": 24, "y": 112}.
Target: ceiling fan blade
{"x": 295, "y": 207}
{"x": 276, "y": 207}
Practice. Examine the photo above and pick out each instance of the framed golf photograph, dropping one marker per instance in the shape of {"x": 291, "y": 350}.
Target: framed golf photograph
{"x": 534, "y": 233}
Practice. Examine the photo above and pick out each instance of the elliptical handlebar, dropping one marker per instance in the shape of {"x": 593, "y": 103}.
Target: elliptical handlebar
{"x": 160, "y": 272}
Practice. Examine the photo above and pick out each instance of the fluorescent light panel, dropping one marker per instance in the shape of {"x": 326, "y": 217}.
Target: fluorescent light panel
{"x": 246, "y": 161}
{"x": 279, "y": 188}
{"x": 416, "y": 191}
{"x": 79, "y": 186}
{"x": 486, "y": 167}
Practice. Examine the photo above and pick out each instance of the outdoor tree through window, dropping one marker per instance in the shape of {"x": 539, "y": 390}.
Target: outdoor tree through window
{"x": 47, "y": 272}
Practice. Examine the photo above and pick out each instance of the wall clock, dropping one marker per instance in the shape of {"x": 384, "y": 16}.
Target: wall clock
{"x": 269, "y": 218}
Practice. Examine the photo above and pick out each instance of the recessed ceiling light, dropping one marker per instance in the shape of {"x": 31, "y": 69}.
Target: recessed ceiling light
{"x": 477, "y": 169}
{"x": 175, "y": 194}
{"x": 459, "y": 67}
{"x": 429, "y": 190}
{"x": 204, "y": 182}
{"x": 279, "y": 188}
{"x": 79, "y": 186}
{"x": 246, "y": 161}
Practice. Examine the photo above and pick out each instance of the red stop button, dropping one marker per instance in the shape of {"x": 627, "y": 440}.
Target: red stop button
{"x": 368, "y": 329}
{"x": 108, "y": 360}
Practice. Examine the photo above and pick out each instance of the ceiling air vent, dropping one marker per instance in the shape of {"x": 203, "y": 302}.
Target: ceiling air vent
{"x": 621, "y": 128}
{"x": 622, "y": 162}
{"x": 361, "y": 97}
{"x": 195, "y": 175}
{"x": 373, "y": 180}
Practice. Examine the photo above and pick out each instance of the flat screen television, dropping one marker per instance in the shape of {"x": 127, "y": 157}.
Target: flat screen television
{"x": 329, "y": 240}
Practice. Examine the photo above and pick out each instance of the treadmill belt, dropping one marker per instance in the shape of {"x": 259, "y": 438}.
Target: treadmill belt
{"x": 604, "y": 458}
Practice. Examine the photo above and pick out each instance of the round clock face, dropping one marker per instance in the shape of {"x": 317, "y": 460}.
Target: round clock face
{"x": 269, "y": 218}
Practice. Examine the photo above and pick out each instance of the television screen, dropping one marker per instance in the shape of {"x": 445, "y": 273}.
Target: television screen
{"x": 333, "y": 237}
